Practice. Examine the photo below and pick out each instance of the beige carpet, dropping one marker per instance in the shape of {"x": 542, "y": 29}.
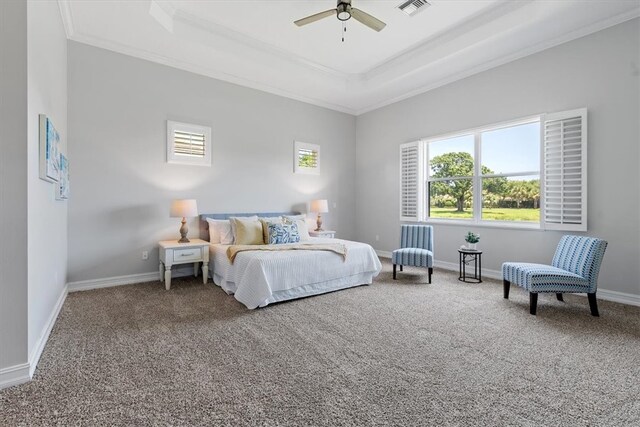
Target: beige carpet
{"x": 395, "y": 353}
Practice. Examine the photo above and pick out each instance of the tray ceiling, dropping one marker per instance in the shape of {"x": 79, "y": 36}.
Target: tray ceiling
{"x": 254, "y": 43}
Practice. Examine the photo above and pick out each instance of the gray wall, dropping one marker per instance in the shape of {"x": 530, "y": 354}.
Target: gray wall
{"x": 13, "y": 183}
{"x": 47, "y": 88}
{"x": 122, "y": 185}
{"x": 600, "y": 72}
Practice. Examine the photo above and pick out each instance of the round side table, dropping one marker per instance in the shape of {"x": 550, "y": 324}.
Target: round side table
{"x": 468, "y": 256}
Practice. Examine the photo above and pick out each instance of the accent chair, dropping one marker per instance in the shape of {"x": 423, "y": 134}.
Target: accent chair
{"x": 416, "y": 248}
{"x": 574, "y": 269}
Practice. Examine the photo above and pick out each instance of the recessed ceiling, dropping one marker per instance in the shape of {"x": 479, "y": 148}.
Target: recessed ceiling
{"x": 255, "y": 43}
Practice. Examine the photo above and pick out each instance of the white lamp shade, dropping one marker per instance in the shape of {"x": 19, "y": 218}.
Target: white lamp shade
{"x": 184, "y": 208}
{"x": 319, "y": 206}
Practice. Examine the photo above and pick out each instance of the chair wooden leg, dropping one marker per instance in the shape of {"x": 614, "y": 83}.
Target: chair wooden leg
{"x": 593, "y": 304}
{"x": 401, "y": 268}
{"x": 430, "y": 273}
{"x": 533, "y": 302}
{"x": 394, "y": 272}
{"x": 559, "y": 296}
{"x": 507, "y": 285}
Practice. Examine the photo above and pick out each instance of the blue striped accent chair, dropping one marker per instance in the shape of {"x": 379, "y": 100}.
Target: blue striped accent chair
{"x": 416, "y": 248}
{"x": 574, "y": 269}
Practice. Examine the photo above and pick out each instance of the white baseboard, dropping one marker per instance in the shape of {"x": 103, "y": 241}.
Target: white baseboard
{"x": 489, "y": 274}
{"x": 603, "y": 294}
{"x": 19, "y": 374}
{"x": 383, "y": 254}
{"x": 621, "y": 297}
{"x": 108, "y": 282}
{"x": 14, "y": 375}
{"x": 492, "y": 274}
{"x": 34, "y": 358}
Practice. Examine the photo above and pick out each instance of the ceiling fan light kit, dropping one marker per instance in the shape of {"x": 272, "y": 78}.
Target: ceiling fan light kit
{"x": 343, "y": 11}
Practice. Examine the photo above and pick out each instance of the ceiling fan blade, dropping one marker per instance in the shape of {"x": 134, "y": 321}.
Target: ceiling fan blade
{"x": 368, "y": 20}
{"x": 314, "y": 18}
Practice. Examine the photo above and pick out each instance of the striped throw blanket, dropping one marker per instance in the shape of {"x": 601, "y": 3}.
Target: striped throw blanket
{"x": 339, "y": 248}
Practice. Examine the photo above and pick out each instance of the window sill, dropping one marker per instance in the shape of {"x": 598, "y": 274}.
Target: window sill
{"x": 485, "y": 224}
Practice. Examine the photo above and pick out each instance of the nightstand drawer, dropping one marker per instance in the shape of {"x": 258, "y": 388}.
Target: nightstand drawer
{"x": 327, "y": 234}
{"x": 192, "y": 254}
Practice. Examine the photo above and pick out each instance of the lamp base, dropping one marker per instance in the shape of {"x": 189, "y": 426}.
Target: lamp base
{"x": 318, "y": 223}
{"x": 183, "y": 232}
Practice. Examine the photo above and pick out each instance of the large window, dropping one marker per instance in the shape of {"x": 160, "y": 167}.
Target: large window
{"x": 450, "y": 179}
{"x": 495, "y": 174}
{"x": 487, "y": 175}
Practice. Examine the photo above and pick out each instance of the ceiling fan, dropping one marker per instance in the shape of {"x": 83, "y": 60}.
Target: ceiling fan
{"x": 344, "y": 12}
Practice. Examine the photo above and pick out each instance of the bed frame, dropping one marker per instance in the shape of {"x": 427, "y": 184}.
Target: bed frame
{"x": 204, "y": 225}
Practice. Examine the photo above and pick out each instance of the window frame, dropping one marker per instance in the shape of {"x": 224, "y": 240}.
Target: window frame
{"x": 173, "y": 158}
{"x": 298, "y": 146}
{"x": 477, "y": 177}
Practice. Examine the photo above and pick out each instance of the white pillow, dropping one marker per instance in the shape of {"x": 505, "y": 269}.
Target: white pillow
{"x": 233, "y": 226}
{"x": 303, "y": 223}
{"x": 220, "y": 231}
{"x": 290, "y": 218}
{"x": 303, "y": 229}
{"x": 273, "y": 219}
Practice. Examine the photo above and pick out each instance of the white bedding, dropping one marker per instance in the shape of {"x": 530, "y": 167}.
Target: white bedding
{"x": 257, "y": 279}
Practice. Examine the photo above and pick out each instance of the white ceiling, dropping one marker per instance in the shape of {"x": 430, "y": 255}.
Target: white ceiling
{"x": 255, "y": 43}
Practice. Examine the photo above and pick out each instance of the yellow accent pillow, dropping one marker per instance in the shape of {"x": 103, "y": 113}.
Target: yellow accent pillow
{"x": 248, "y": 232}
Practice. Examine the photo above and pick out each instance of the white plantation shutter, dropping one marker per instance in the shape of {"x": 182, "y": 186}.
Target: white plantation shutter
{"x": 565, "y": 171}
{"x": 188, "y": 144}
{"x": 306, "y": 158}
{"x": 411, "y": 181}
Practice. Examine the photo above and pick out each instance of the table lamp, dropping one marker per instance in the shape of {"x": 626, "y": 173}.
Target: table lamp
{"x": 319, "y": 206}
{"x": 184, "y": 208}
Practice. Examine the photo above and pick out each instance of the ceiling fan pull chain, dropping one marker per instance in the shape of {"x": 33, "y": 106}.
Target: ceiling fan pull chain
{"x": 344, "y": 30}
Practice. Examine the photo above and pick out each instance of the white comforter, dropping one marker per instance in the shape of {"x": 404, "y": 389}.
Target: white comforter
{"x": 255, "y": 277}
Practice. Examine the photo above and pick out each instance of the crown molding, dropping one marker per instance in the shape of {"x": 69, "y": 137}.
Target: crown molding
{"x": 464, "y": 28}
{"x": 204, "y": 71}
{"x": 219, "y": 31}
{"x": 67, "y": 17}
{"x": 573, "y": 35}
{"x": 358, "y": 85}
{"x": 164, "y": 13}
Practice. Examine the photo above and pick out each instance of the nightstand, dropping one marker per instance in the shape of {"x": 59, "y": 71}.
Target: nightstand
{"x": 327, "y": 234}
{"x": 174, "y": 253}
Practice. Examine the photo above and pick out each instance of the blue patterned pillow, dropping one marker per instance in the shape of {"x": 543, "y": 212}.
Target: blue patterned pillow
{"x": 283, "y": 233}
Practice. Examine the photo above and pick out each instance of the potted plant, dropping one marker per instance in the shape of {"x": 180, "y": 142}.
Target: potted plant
{"x": 472, "y": 239}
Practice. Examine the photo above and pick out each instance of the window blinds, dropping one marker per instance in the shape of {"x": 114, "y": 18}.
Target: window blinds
{"x": 410, "y": 181}
{"x": 307, "y": 158}
{"x": 565, "y": 171}
{"x": 190, "y": 144}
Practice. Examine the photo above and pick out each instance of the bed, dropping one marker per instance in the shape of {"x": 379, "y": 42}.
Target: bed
{"x": 257, "y": 279}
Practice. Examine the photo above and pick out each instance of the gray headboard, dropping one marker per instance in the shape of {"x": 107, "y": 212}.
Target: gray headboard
{"x": 204, "y": 225}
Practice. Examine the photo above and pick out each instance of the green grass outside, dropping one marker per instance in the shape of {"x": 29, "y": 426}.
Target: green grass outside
{"x": 497, "y": 214}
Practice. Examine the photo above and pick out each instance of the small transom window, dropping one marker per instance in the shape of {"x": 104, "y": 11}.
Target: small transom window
{"x": 188, "y": 144}
{"x": 306, "y": 158}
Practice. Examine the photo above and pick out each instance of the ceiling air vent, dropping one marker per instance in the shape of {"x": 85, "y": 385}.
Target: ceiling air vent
{"x": 412, "y": 7}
